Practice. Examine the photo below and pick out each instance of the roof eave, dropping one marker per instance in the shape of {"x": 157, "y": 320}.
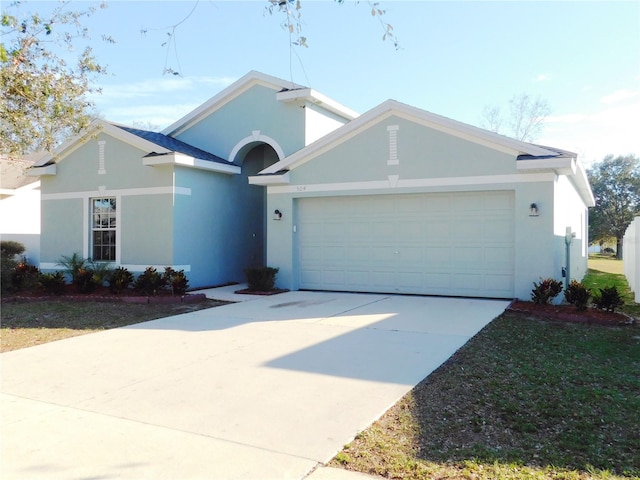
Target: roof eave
{"x": 561, "y": 165}
{"x": 281, "y": 178}
{"x": 45, "y": 170}
{"x": 316, "y": 98}
{"x": 179, "y": 159}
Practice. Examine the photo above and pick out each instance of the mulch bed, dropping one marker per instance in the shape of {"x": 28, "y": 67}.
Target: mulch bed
{"x": 246, "y": 291}
{"x": 103, "y": 294}
{"x": 569, "y": 313}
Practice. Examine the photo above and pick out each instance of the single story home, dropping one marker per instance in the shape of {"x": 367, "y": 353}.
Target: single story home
{"x": 396, "y": 200}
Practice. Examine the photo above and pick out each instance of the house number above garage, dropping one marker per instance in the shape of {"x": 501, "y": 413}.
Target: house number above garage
{"x": 393, "y": 145}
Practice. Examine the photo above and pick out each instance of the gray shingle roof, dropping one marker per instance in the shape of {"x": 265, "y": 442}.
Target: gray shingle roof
{"x": 173, "y": 144}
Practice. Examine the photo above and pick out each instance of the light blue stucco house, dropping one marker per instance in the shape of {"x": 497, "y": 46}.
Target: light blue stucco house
{"x": 396, "y": 200}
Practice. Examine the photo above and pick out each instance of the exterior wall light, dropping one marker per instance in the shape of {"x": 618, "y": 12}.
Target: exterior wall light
{"x": 277, "y": 215}
{"x": 533, "y": 210}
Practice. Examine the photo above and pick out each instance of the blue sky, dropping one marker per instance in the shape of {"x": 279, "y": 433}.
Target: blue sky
{"x": 456, "y": 57}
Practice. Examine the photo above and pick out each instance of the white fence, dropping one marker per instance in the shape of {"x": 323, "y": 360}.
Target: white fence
{"x": 631, "y": 256}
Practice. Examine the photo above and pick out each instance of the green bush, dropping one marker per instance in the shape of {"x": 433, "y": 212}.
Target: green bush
{"x": 577, "y": 294}
{"x": 119, "y": 280}
{"x": 8, "y": 263}
{"x": 608, "y": 299}
{"x": 73, "y": 265}
{"x": 176, "y": 280}
{"x": 53, "y": 283}
{"x": 150, "y": 282}
{"x": 101, "y": 271}
{"x": 9, "y": 249}
{"x": 86, "y": 280}
{"x": 261, "y": 279}
{"x": 545, "y": 291}
{"x": 25, "y": 277}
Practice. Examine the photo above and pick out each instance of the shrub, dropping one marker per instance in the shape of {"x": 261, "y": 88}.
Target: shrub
{"x": 53, "y": 283}
{"x": 9, "y": 249}
{"x": 577, "y": 294}
{"x": 119, "y": 280}
{"x": 25, "y": 277}
{"x": 101, "y": 271}
{"x": 261, "y": 279}
{"x": 86, "y": 280}
{"x": 150, "y": 281}
{"x": 608, "y": 299}
{"x": 73, "y": 265}
{"x": 177, "y": 281}
{"x": 545, "y": 291}
{"x": 8, "y": 252}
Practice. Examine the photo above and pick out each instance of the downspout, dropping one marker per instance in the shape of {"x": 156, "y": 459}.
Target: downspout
{"x": 568, "y": 240}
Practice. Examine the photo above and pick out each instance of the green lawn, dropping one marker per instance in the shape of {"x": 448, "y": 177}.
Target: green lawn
{"x": 37, "y": 322}
{"x": 523, "y": 399}
{"x": 607, "y": 272}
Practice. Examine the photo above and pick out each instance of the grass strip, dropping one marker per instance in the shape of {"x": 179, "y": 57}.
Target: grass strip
{"x": 28, "y": 324}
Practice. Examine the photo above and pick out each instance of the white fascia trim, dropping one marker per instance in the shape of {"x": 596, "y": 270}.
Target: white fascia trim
{"x": 115, "y": 192}
{"x": 393, "y": 108}
{"x": 41, "y": 171}
{"x": 232, "y": 91}
{"x": 581, "y": 182}
{"x": 310, "y": 95}
{"x": 255, "y": 137}
{"x": 562, "y": 165}
{"x": 282, "y": 179}
{"x": 190, "y": 162}
{"x": 96, "y": 127}
{"x": 400, "y": 184}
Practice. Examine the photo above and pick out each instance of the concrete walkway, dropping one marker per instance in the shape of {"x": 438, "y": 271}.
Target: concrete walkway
{"x": 271, "y": 387}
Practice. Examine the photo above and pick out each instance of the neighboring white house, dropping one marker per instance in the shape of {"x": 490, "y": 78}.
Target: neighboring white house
{"x": 396, "y": 200}
{"x": 20, "y": 206}
{"x": 631, "y": 256}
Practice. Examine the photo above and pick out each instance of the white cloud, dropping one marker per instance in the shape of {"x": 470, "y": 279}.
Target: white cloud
{"x": 156, "y": 114}
{"x": 611, "y": 130}
{"x": 161, "y": 85}
{"x": 543, "y": 77}
{"x": 157, "y": 101}
{"x": 619, "y": 96}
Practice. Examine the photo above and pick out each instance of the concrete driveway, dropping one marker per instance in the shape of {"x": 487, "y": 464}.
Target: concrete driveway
{"x": 266, "y": 388}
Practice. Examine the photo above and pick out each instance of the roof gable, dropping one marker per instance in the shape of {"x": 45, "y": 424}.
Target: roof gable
{"x": 428, "y": 119}
{"x": 154, "y": 144}
{"x": 286, "y": 91}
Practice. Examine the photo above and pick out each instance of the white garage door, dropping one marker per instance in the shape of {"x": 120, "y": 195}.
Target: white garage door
{"x": 459, "y": 244}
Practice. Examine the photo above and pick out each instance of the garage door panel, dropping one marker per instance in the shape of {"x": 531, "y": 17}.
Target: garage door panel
{"x": 438, "y": 257}
{"x": 436, "y": 205}
{"x": 334, "y": 255}
{"x": 382, "y": 255}
{"x": 468, "y": 281}
{"x": 335, "y": 278}
{"x": 500, "y": 229}
{"x": 498, "y": 258}
{"x": 444, "y": 244}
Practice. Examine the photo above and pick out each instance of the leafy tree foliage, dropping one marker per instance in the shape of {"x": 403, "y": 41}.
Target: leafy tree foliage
{"x": 524, "y": 121}
{"x": 44, "y": 98}
{"x": 615, "y": 183}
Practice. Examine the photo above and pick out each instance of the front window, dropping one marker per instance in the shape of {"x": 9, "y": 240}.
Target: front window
{"x": 103, "y": 229}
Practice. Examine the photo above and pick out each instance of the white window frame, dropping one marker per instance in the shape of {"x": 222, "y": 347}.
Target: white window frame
{"x": 104, "y": 219}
